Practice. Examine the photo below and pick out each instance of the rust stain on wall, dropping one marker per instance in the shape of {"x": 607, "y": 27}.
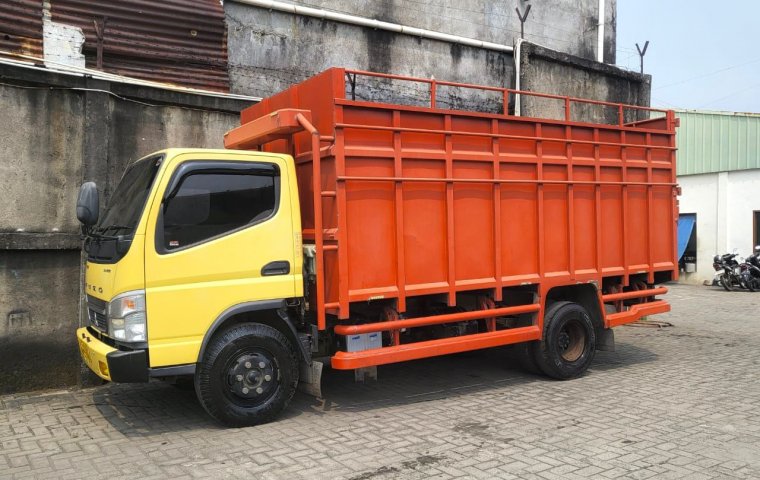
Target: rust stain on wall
{"x": 21, "y": 27}
{"x": 174, "y": 41}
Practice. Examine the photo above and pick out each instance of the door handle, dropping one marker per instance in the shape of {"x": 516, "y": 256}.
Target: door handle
{"x": 279, "y": 267}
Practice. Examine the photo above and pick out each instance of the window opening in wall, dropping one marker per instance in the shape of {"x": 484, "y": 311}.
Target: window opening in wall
{"x": 755, "y": 228}
{"x": 687, "y": 242}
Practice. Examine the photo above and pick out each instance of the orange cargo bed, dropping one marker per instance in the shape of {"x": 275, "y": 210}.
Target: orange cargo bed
{"x": 418, "y": 200}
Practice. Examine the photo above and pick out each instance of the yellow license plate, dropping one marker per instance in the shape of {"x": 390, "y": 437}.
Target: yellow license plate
{"x": 86, "y": 355}
{"x": 94, "y": 353}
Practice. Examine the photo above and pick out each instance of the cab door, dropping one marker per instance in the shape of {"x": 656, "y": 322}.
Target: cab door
{"x": 222, "y": 235}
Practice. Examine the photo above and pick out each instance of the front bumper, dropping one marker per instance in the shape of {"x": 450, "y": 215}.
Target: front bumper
{"x": 109, "y": 363}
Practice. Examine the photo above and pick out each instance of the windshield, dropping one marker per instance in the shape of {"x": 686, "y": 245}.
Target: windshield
{"x": 127, "y": 201}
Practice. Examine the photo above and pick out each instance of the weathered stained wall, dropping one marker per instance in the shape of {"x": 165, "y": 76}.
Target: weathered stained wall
{"x": 59, "y": 131}
{"x": 137, "y": 130}
{"x": 568, "y": 26}
{"x": 39, "y": 290}
{"x": 271, "y": 50}
{"x": 42, "y": 158}
{"x": 547, "y": 71}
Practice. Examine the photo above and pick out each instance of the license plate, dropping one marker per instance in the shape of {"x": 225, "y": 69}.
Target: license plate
{"x": 85, "y": 351}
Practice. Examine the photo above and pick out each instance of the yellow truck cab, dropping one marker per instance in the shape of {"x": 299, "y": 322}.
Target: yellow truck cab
{"x": 190, "y": 239}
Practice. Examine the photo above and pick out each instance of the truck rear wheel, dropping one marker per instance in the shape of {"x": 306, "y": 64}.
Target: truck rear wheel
{"x": 248, "y": 375}
{"x": 569, "y": 342}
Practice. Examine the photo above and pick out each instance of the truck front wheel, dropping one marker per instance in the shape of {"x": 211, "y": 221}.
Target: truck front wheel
{"x": 248, "y": 375}
{"x": 568, "y": 343}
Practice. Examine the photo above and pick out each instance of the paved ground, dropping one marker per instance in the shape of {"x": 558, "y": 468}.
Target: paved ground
{"x": 678, "y": 402}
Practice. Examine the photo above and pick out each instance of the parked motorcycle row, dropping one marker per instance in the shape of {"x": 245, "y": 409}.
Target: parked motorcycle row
{"x": 731, "y": 274}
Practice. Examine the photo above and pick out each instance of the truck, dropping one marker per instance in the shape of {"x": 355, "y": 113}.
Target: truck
{"x": 353, "y": 233}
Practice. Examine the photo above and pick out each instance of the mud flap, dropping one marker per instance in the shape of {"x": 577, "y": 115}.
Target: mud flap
{"x": 605, "y": 340}
{"x": 365, "y": 374}
{"x": 310, "y": 382}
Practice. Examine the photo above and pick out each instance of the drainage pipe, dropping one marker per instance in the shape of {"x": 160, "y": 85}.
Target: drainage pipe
{"x": 372, "y": 23}
{"x": 600, "y": 34}
{"x": 516, "y": 56}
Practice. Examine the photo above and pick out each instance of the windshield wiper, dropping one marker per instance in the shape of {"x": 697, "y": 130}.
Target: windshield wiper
{"x": 102, "y": 231}
{"x": 92, "y": 233}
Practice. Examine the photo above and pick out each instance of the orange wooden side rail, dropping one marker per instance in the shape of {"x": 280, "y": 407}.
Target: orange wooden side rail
{"x": 506, "y": 93}
{"x": 435, "y": 319}
{"x": 634, "y": 294}
{"x": 635, "y": 312}
{"x": 430, "y": 348}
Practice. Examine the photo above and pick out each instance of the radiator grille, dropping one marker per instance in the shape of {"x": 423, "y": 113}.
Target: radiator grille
{"x": 96, "y": 312}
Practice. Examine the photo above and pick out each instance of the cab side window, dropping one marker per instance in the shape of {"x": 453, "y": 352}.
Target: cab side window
{"x": 209, "y": 204}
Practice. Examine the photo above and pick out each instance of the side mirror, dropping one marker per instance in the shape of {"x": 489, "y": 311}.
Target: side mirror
{"x": 88, "y": 204}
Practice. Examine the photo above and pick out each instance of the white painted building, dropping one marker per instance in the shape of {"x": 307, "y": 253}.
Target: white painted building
{"x": 719, "y": 174}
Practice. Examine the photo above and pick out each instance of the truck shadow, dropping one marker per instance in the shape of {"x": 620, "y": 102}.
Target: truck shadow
{"x": 158, "y": 408}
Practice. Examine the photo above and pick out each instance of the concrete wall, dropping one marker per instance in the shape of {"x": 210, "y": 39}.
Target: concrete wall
{"x": 53, "y": 139}
{"x": 136, "y": 130}
{"x": 742, "y": 200}
{"x": 42, "y": 162}
{"x": 565, "y": 25}
{"x": 270, "y": 50}
{"x": 700, "y": 196}
{"x": 39, "y": 292}
{"x": 724, "y": 203}
{"x": 547, "y": 71}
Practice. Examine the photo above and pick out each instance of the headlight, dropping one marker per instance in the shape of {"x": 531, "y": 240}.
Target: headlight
{"x": 126, "y": 317}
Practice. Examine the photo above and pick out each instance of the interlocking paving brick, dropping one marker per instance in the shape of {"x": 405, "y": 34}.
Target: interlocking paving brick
{"x": 677, "y": 402}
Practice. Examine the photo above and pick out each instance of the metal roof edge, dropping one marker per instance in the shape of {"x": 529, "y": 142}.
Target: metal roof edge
{"x": 717, "y": 112}
{"x": 715, "y": 172}
{"x": 28, "y": 62}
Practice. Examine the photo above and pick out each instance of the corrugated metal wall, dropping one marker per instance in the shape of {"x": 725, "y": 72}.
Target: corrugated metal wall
{"x": 176, "y": 41}
{"x": 21, "y": 27}
{"x": 717, "y": 142}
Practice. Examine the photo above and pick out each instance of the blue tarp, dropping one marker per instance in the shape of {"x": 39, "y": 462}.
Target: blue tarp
{"x": 686, "y": 223}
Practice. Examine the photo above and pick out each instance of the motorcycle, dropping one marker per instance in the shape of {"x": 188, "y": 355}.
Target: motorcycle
{"x": 729, "y": 274}
{"x": 751, "y": 271}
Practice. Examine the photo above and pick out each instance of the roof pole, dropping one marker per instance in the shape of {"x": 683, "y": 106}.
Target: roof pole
{"x": 600, "y": 34}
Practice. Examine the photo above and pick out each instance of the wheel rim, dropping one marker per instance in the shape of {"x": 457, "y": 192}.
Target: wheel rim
{"x": 251, "y": 377}
{"x": 571, "y": 341}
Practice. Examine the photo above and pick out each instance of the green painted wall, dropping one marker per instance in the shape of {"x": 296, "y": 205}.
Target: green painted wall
{"x": 717, "y": 142}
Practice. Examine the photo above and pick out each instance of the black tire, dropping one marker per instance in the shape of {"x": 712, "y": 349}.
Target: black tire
{"x": 726, "y": 283}
{"x": 248, "y": 375}
{"x": 569, "y": 341}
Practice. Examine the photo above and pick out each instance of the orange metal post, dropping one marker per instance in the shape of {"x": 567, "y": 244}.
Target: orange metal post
{"x": 318, "y": 229}
{"x": 279, "y": 125}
